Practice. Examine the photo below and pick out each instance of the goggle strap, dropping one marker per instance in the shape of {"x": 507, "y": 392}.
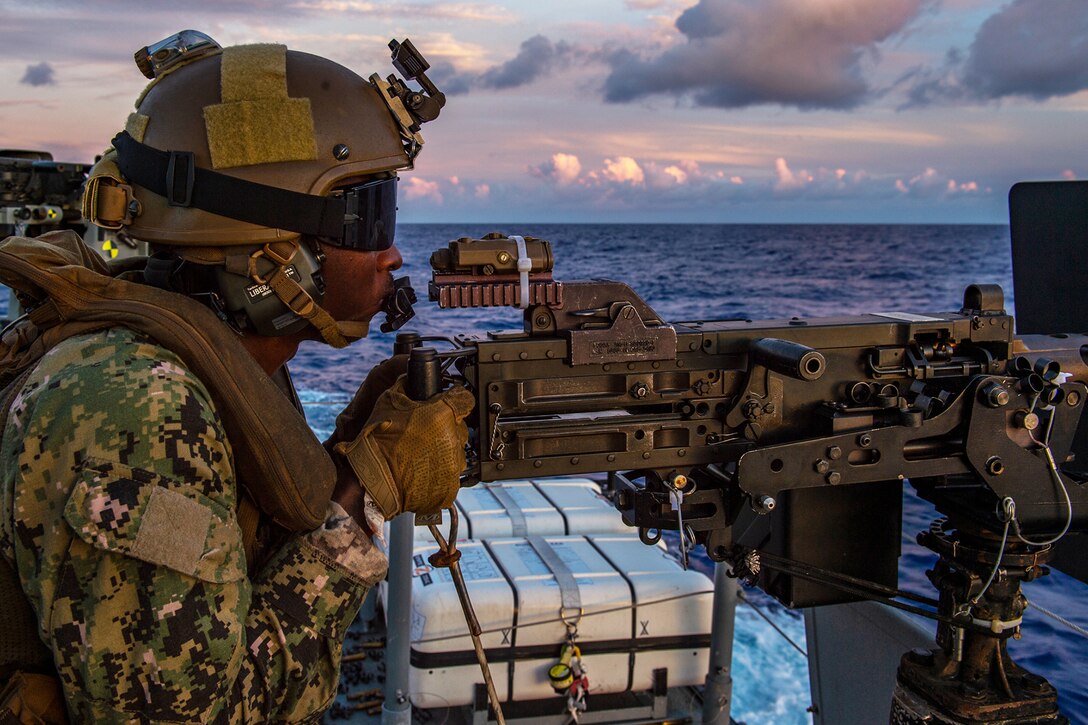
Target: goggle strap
{"x": 302, "y": 304}
{"x": 207, "y": 190}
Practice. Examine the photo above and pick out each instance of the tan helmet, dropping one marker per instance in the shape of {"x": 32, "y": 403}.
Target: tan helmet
{"x": 240, "y": 148}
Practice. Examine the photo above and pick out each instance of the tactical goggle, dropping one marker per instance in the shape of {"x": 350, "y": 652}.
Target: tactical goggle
{"x": 370, "y": 216}
{"x": 362, "y": 217}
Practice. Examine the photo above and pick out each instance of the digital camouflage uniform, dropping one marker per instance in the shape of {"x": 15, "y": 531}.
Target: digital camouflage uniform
{"x": 119, "y": 501}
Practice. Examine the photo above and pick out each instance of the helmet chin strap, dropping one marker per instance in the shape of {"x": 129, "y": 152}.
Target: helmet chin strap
{"x": 300, "y": 302}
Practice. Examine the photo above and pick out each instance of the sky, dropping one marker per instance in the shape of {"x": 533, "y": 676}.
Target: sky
{"x": 709, "y": 111}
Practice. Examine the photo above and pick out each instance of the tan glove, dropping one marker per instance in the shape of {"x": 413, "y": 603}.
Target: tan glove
{"x": 410, "y": 454}
{"x": 352, "y": 418}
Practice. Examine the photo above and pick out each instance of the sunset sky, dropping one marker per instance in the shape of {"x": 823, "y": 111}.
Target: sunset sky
{"x": 637, "y": 110}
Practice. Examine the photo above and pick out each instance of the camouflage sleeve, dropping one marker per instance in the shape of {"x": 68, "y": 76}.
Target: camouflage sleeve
{"x": 118, "y": 498}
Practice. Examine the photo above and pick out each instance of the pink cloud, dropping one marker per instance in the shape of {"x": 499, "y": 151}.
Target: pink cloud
{"x": 787, "y": 178}
{"x": 564, "y": 169}
{"x": 624, "y": 169}
{"x": 932, "y": 183}
{"x": 419, "y": 188}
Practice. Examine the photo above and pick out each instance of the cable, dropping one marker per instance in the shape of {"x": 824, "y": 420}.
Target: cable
{"x": 767, "y": 619}
{"x": 558, "y": 620}
{"x": 1053, "y": 468}
{"x": 1060, "y": 619}
{"x": 626, "y": 608}
{"x": 1008, "y": 507}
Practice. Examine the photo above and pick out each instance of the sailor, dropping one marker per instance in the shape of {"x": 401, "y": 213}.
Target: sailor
{"x": 177, "y": 545}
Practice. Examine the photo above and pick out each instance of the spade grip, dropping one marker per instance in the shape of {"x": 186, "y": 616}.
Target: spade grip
{"x": 424, "y": 374}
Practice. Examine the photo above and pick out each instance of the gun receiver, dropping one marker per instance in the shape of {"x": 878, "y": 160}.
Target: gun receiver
{"x": 782, "y": 445}
{"x": 597, "y": 382}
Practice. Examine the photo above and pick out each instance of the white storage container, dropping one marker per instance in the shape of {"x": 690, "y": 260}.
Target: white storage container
{"x": 539, "y": 507}
{"x": 584, "y": 508}
{"x": 640, "y": 612}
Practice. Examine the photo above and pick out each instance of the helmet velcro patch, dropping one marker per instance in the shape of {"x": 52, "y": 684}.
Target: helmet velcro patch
{"x": 257, "y": 122}
{"x": 136, "y": 125}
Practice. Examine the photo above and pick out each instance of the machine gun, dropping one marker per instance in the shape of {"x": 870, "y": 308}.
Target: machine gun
{"x": 782, "y": 446}
{"x": 38, "y": 194}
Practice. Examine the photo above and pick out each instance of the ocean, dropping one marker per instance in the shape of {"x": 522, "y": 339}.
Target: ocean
{"x": 690, "y": 272}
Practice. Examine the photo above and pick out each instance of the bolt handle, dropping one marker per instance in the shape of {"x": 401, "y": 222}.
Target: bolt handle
{"x": 424, "y": 379}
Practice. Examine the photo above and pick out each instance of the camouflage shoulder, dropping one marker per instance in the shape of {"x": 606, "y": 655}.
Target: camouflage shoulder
{"x": 119, "y": 397}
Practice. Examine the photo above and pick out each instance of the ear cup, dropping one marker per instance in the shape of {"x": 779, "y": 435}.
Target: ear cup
{"x": 255, "y": 304}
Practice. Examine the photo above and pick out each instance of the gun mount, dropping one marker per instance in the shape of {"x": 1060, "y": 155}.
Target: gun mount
{"x": 782, "y": 445}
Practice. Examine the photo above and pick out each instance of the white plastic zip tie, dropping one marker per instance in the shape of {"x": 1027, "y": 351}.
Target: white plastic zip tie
{"x": 525, "y": 264}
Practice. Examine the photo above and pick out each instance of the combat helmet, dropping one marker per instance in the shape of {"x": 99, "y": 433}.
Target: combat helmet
{"x": 237, "y": 159}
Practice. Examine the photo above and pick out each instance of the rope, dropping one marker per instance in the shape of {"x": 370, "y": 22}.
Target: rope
{"x": 449, "y": 557}
{"x": 761, "y": 613}
{"x": 1060, "y": 619}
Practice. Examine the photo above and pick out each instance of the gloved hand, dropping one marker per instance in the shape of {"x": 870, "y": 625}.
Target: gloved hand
{"x": 352, "y": 418}
{"x": 410, "y": 453}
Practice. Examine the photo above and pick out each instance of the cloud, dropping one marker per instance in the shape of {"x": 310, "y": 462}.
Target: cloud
{"x": 1069, "y": 175}
{"x": 482, "y": 191}
{"x": 417, "y": 188}
{"x": 447, "y": 79}
{"x": 652, "y": 186}
{"x": 932, "y": 184}
{"x": 563, "y": 169}
{"x": 1029, "y": 48}
{"x": 38, "y": 75}
{"x": 677, "y": 173}
{"x": 803, "y": 53}
{"x": 787, "y": 179}
{"x": 537, "y": 56}
{"x": 824, "y": 182}
{"x": 624, "y": 170}
{"x": 682, "y": 172}
{"x": 474, "y": 12}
